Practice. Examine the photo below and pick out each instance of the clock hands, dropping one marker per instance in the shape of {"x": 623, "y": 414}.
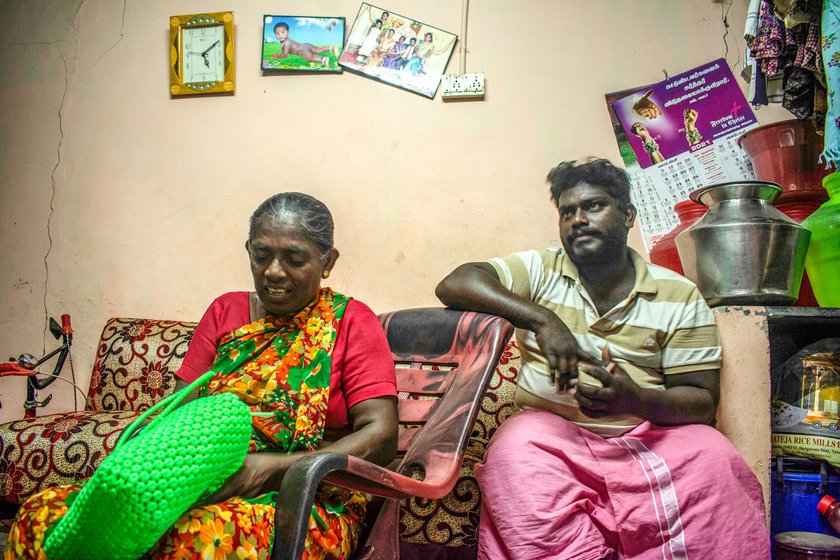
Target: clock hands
{"x": 206, "y": 53}
{"x": 208, "y": 49}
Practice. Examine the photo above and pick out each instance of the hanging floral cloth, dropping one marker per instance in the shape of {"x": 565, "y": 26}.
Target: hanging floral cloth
{"x": 784, "y": 56}
{"x": 831, "y": 55}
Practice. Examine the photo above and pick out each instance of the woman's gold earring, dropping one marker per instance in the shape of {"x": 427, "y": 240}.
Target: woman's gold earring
{"x": 325, "y": 274}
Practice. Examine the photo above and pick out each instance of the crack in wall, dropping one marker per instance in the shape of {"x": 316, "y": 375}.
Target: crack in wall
{"x": 122, "y": 29}
{"x": 724, "y": 20}
{"x": 67, "y": 72}
{"x": 52, "y": 196}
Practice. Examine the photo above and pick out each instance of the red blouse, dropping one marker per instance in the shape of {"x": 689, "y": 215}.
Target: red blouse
{"x": 360, "y": 371}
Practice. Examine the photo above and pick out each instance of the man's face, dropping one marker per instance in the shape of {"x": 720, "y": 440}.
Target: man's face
{"x": 592, "y": 226}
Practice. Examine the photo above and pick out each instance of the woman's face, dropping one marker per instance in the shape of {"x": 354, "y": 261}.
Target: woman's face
{"x": 287, "y": 266}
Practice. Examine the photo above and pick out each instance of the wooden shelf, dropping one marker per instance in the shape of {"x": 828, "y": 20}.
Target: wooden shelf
{"x": 756, "y": 339}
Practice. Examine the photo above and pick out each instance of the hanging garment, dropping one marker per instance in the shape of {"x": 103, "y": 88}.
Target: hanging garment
{"x": 831, "y": 60}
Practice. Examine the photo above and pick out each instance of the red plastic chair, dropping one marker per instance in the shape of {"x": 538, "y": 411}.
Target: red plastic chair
{"x": 445, "y": 359}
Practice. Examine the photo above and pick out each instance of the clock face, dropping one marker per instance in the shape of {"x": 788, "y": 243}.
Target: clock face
{"x": 203, "y": 54}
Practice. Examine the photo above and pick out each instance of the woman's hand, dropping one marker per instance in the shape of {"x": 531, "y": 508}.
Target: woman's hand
{"x": 255, "y": 477}
{"x": 374, "y": 438}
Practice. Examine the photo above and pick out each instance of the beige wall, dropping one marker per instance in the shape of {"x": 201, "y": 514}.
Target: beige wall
{"x": 117, "y": 200}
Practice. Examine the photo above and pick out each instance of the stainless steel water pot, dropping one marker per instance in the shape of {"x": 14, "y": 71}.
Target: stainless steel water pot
{"x": 743, "y": 251}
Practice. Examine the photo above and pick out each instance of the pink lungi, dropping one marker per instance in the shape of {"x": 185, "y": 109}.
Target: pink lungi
{"x": 553, "y": 490}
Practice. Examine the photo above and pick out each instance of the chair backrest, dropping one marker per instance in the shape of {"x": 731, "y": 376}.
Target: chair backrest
{"x": 136, "y": 360}
{"x": 445, "y": 359}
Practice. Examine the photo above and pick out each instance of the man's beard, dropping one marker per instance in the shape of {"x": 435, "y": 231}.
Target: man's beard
{"x": 611, "y": 247}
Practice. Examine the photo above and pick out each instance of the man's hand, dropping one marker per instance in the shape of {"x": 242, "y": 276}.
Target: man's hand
{"x": 560, "y": 348}
{"x": 619, "y": 394}
{"x": 647, "y": 108}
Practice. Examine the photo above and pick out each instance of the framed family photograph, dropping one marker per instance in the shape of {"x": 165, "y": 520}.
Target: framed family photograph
{"x": 302, "y": 44}
{"x": 398, "y": 50}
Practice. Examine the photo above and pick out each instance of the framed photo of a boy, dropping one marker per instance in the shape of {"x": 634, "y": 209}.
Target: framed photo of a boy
{"x": 397, "y": 50}
{"x": 302, "y": 44}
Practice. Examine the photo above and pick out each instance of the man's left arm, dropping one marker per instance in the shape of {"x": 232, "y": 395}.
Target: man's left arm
{"x": 688, "y": 398}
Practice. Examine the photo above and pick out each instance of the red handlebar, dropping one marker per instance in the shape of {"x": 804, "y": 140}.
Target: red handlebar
{"x": 10, "y": 368}
{"x": 65, "y": 325}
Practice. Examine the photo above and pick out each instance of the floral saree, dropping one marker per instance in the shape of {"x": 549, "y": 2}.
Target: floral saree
{"x": 281, "y": 369}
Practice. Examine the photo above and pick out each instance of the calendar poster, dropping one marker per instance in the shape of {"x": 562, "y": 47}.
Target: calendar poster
{"x": 678, "y": 135}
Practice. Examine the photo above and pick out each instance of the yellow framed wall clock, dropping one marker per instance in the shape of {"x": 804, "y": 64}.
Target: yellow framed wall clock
{"x": 201, "y": 54}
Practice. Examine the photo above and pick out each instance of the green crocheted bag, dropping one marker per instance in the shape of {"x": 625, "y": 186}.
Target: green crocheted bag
{"x": 138, "y": 492}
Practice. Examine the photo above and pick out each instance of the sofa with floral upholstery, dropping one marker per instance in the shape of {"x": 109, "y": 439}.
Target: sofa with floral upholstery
{"x": 134, "y": 366}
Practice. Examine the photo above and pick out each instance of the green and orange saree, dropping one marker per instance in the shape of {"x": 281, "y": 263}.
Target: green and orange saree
{"x": 281, "y": 369}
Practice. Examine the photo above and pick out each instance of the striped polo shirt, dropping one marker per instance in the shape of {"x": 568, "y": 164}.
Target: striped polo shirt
{"x": 663, "y": 327}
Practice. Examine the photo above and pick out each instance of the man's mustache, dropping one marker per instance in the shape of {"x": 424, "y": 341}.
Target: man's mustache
{"x": 575, "y": 233}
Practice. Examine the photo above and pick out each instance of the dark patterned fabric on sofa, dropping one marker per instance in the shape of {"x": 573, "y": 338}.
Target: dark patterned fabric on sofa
{"x": 452, "y": 523}
{"x": 135, "y": 360}
{"x": 134, "y": 367}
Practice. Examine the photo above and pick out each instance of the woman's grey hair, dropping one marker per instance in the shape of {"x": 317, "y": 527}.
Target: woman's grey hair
{"x": 305, "y": 211}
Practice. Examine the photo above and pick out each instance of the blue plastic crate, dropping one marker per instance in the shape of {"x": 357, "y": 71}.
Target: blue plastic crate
{"x": 794, "y": 498}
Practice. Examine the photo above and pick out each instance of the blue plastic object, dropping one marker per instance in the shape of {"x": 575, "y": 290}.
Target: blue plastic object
{"x": 793, "y": 502}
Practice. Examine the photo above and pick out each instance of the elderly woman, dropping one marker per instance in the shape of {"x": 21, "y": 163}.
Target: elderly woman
{"x": 338, "y": 352}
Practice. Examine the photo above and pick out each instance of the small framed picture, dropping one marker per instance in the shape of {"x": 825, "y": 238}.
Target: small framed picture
{"x": 398, "y": 50}
{"x": 302, "y": 43}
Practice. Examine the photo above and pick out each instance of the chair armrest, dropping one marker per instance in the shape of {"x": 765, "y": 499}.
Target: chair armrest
{"x": 297, "y": 493}
{"x": 293, "y": 505}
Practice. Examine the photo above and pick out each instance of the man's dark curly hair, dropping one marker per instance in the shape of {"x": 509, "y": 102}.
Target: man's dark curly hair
{"x": 595, "y": 171}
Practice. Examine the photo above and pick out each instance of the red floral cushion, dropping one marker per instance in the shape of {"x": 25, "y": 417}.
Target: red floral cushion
{"x": 36, "y": 453}
{"x": 135, "y": 363}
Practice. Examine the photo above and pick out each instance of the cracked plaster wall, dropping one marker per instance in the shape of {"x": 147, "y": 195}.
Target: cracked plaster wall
{"x": 117, "y": 200}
